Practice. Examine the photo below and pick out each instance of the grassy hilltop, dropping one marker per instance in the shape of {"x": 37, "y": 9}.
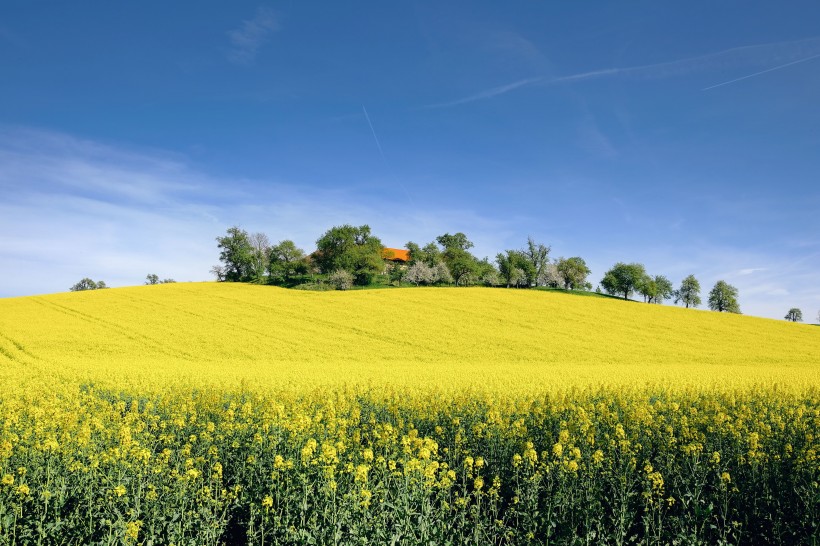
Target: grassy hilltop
{"x": 225, "y": 332}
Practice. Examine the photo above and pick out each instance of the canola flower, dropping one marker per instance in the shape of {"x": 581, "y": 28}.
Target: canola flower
{"x": 222, "y": 414}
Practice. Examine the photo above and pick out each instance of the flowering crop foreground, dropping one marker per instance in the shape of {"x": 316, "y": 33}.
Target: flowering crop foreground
{"x": 236, "y": 414}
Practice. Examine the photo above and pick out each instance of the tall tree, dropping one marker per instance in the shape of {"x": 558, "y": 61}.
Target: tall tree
{"x": 623, "y": 278}
{"x": 429, "y": 255}
{"x": 689, "y": 292}
{"x": 354, "y": 249}
{"x": 723, "y": 298}
{"x": 260, "y": 254}
{"x": 151, "y": 278}
{"x": 655, "y": 289}
{"x": 487, "y": 273}
{"x": 286, "y": 260}
{"x": 236, "y": 253}
{"x": 88, "y": 284}
{"x": 794, "y": 315}
{"x": 538, "y": 257}
{"x": 515, "y": 268}
{"x": 572, "y": 271}
{"x": 456, "y": 256}
{"x": 456, "y": 241}
{"x": 663, "y": 289}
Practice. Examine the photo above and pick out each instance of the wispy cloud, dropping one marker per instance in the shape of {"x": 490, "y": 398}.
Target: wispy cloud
{"x": 750, "y": 270}
{"x": 74, "y": 208}
{"x": 252, "y": 35}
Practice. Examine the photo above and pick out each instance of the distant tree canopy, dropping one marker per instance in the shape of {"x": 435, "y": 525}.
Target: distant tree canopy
{"x": 352, "y": 252}
{"x": 623, "y": 279}
{"x": 656, "y": 289}
{"x": 429, "y": 255}
{"x": 723, "y": 298}
{"x": 538, "y": 256}
{"x": 151, "y": 278}
{"x": 455, "y": 254}
{"x": 286, "y": 260}
{"x": 236, "y": 255}
{"x": 573, "y": 272}
{"x": 259, "y": 255}
{"x": 88, "y": 284}
{"x": 514, "y": 268}
{"x": 353, "y": 249}
{"x": 794, "y": 315}
{"x": 689, "y": 292}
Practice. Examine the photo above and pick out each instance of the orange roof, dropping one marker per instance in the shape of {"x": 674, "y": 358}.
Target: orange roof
{"x": 397, "y": 254}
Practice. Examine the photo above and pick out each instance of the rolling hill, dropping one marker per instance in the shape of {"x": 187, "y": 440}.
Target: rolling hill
{"x": 475, "y": 338}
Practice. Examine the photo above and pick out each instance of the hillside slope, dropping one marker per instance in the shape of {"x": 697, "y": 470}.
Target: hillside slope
{"x": 476, "y": 337}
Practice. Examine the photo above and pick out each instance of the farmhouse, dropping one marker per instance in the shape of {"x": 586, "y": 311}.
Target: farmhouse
{"x": 396, "y": 255}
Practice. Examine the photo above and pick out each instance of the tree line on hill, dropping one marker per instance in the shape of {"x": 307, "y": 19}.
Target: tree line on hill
{"x": 89, "y": 284}
{"x": 348, "y": 256}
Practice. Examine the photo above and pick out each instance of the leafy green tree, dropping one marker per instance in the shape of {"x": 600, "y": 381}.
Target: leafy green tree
{"x": 88, "y": 284}
{"x": 573, "y": 272}
{"x": 429, "y": 255}
{"x": 723, "y": 298}
{"x": 689, "y": 292}
{"x": 457, "y": 241}
{"x": 154, "y": 279}
{"x": 260, "y": 254}
{"x": 794, "y": 315}
{"x": 354, "y": 249}
{"x": 395, "y": 273}
{"x": 655, "y": 289}
{"x": 487, "y": 274}
{"x": 236, "y": 255}
{"x": 623, "y": 279}
{"x": 538, "y": 257}
{"x": 514, "y": 267}
{"x": 664, "y": 289}
{"x": 286, "y": 260}
{"x": 456, "y": 256}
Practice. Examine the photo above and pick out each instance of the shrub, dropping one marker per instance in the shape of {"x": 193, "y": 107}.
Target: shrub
{"x": 341, "y": 279}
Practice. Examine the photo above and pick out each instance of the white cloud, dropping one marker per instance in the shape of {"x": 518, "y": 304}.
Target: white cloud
{"x": 74, "y": 208}
{"x": 252, "y": 35}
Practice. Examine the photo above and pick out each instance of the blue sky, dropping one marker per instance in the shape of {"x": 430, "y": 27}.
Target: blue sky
{"x": 685, "y": 137}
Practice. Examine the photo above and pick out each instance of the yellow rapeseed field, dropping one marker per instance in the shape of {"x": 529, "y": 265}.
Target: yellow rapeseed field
{"x": 501, "y": 340}
{"x": 239, "y": 414}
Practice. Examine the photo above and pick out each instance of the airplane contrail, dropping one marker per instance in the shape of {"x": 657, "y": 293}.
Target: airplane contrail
{"x": 381, "y": 153}
{"x": 761, "y": 72}
{"x": 372, "y": 130}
